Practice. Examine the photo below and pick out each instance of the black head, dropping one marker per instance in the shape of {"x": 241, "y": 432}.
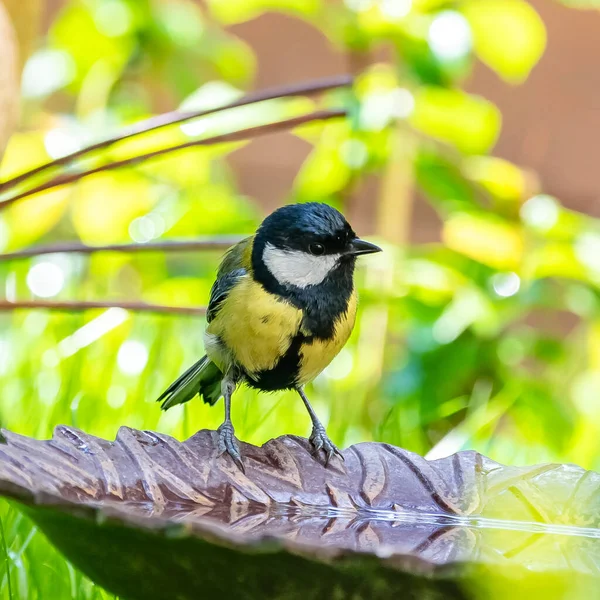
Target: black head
{"x": 300, "y": 245}
{"x": 313, "y": 228}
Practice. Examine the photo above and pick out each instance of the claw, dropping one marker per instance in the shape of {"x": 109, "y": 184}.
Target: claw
{"x": 228, "y": 444}
{"x": 320, "y": 441}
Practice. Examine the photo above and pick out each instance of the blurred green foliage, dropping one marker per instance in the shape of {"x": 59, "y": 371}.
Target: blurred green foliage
{"x": 489, "y": 339}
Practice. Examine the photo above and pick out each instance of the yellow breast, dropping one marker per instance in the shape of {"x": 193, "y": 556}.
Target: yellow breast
{"x": 315, "y": 356}
{"x": 256, "y": 327}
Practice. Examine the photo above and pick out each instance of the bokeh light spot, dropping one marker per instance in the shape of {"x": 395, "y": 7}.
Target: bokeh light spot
{"x": 211, "y": 95}
{"x": 580, "y": 300}
{"x": 587, "y": 250}
{"x": 506, "y": 284}
{"x": 132, "y": 357}
{"x": 402, "y": 103}
{"x": 449, "y": 36}
{"x": 359, "y": 5}
{"x": 45, "y": 279}
{"x": 354, "y": 153}
{"x": 92, "y": 331}
{"x": 47, "y": 71}
{"x": 395, "y": 9}
{"x": 48, "y": 385}
{"x": 59, "y": 143}
{"x": 584, "y": 391}
{"x": 379, "y": 108}
{"x": 511, "y": 350}
{"x": 113, "y": 18}
{"x": 341, "y": 366}
{"x": 541, "y": 212}
{"x": 116, "y": 396}
{"x": 146, "y": 228}
{"x": 50, "y": 359}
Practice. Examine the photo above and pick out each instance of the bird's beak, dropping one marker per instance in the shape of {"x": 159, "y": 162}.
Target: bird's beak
{"x": 359, "y": 246}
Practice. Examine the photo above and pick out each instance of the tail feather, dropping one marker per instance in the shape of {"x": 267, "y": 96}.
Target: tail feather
{"x": 203, "y": 378}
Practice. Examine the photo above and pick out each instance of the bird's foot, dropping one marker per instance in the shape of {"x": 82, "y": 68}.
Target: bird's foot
{"x": 320, "y": 441}
{"x": 228, "y": 444}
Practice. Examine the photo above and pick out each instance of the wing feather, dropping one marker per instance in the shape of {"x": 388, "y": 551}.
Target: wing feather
{"x": 235, "y": 264}
{"x": 220, "y": 290}
{"x": 237, "y": 257}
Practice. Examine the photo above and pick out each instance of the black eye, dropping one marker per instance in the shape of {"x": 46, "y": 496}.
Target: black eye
{"x": 317, "y": 249}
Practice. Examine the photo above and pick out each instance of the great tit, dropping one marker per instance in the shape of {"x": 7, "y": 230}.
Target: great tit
{"x": 282, "y": 307}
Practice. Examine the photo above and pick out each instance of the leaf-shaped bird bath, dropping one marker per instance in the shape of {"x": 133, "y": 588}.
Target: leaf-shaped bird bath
{"x": 149, "y": 517}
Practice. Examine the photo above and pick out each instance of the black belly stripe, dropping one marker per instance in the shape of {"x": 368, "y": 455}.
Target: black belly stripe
{"x": 284, "y": 374}
{"x": 321, "y": 305}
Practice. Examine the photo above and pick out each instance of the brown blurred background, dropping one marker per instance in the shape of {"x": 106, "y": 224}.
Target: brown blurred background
{"x": 551, "y": 123}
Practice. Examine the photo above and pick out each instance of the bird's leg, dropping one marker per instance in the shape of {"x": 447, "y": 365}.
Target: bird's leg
{"x": 227, "y": 441}
{"x": 318, "y": 438}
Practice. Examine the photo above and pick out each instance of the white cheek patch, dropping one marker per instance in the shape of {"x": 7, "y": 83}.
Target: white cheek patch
{"x": 298, "y": 268}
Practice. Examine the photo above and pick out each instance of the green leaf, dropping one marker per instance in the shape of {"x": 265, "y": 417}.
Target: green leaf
{"x": 443, "y": 183}
{"x": 469, "y": 122}
{"x": 325, "y": 172}
{"x": 509, "y": 35}
{"x": 148, "y": 518}
{"x": 77, "y": 32}
{"x": 213, "y": 209}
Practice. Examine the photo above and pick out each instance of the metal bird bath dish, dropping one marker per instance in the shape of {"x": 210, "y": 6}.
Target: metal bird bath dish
{"x": 147, "y": 516}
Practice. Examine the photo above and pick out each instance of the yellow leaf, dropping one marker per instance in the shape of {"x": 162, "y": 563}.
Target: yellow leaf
{"x": 501, "y": 178}
{"x": 106, "y": 204}
{"x": 469, "y": 122}
{"x": 491, "y": 242}
{"x": 509, "y": 36}
{"x": 24, "y": 152}
{"x": 31, "y": 218}
{"x": 556, "y": 259}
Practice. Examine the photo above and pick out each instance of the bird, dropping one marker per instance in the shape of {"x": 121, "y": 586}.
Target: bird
{"x": 281, "y": 308}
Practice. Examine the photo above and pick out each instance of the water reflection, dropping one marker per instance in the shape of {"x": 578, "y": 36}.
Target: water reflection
{"x": 435, "y": 539}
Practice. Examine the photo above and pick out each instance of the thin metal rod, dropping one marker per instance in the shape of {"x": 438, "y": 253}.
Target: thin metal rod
{"x": 308, "y": 88}
{"x": 76, "y": 306}
{"x": 242, "y": 134}
{"x": 213, "y": 243}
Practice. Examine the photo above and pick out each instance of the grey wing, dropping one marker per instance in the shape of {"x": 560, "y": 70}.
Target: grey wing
{"x": 220, "y": 290}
